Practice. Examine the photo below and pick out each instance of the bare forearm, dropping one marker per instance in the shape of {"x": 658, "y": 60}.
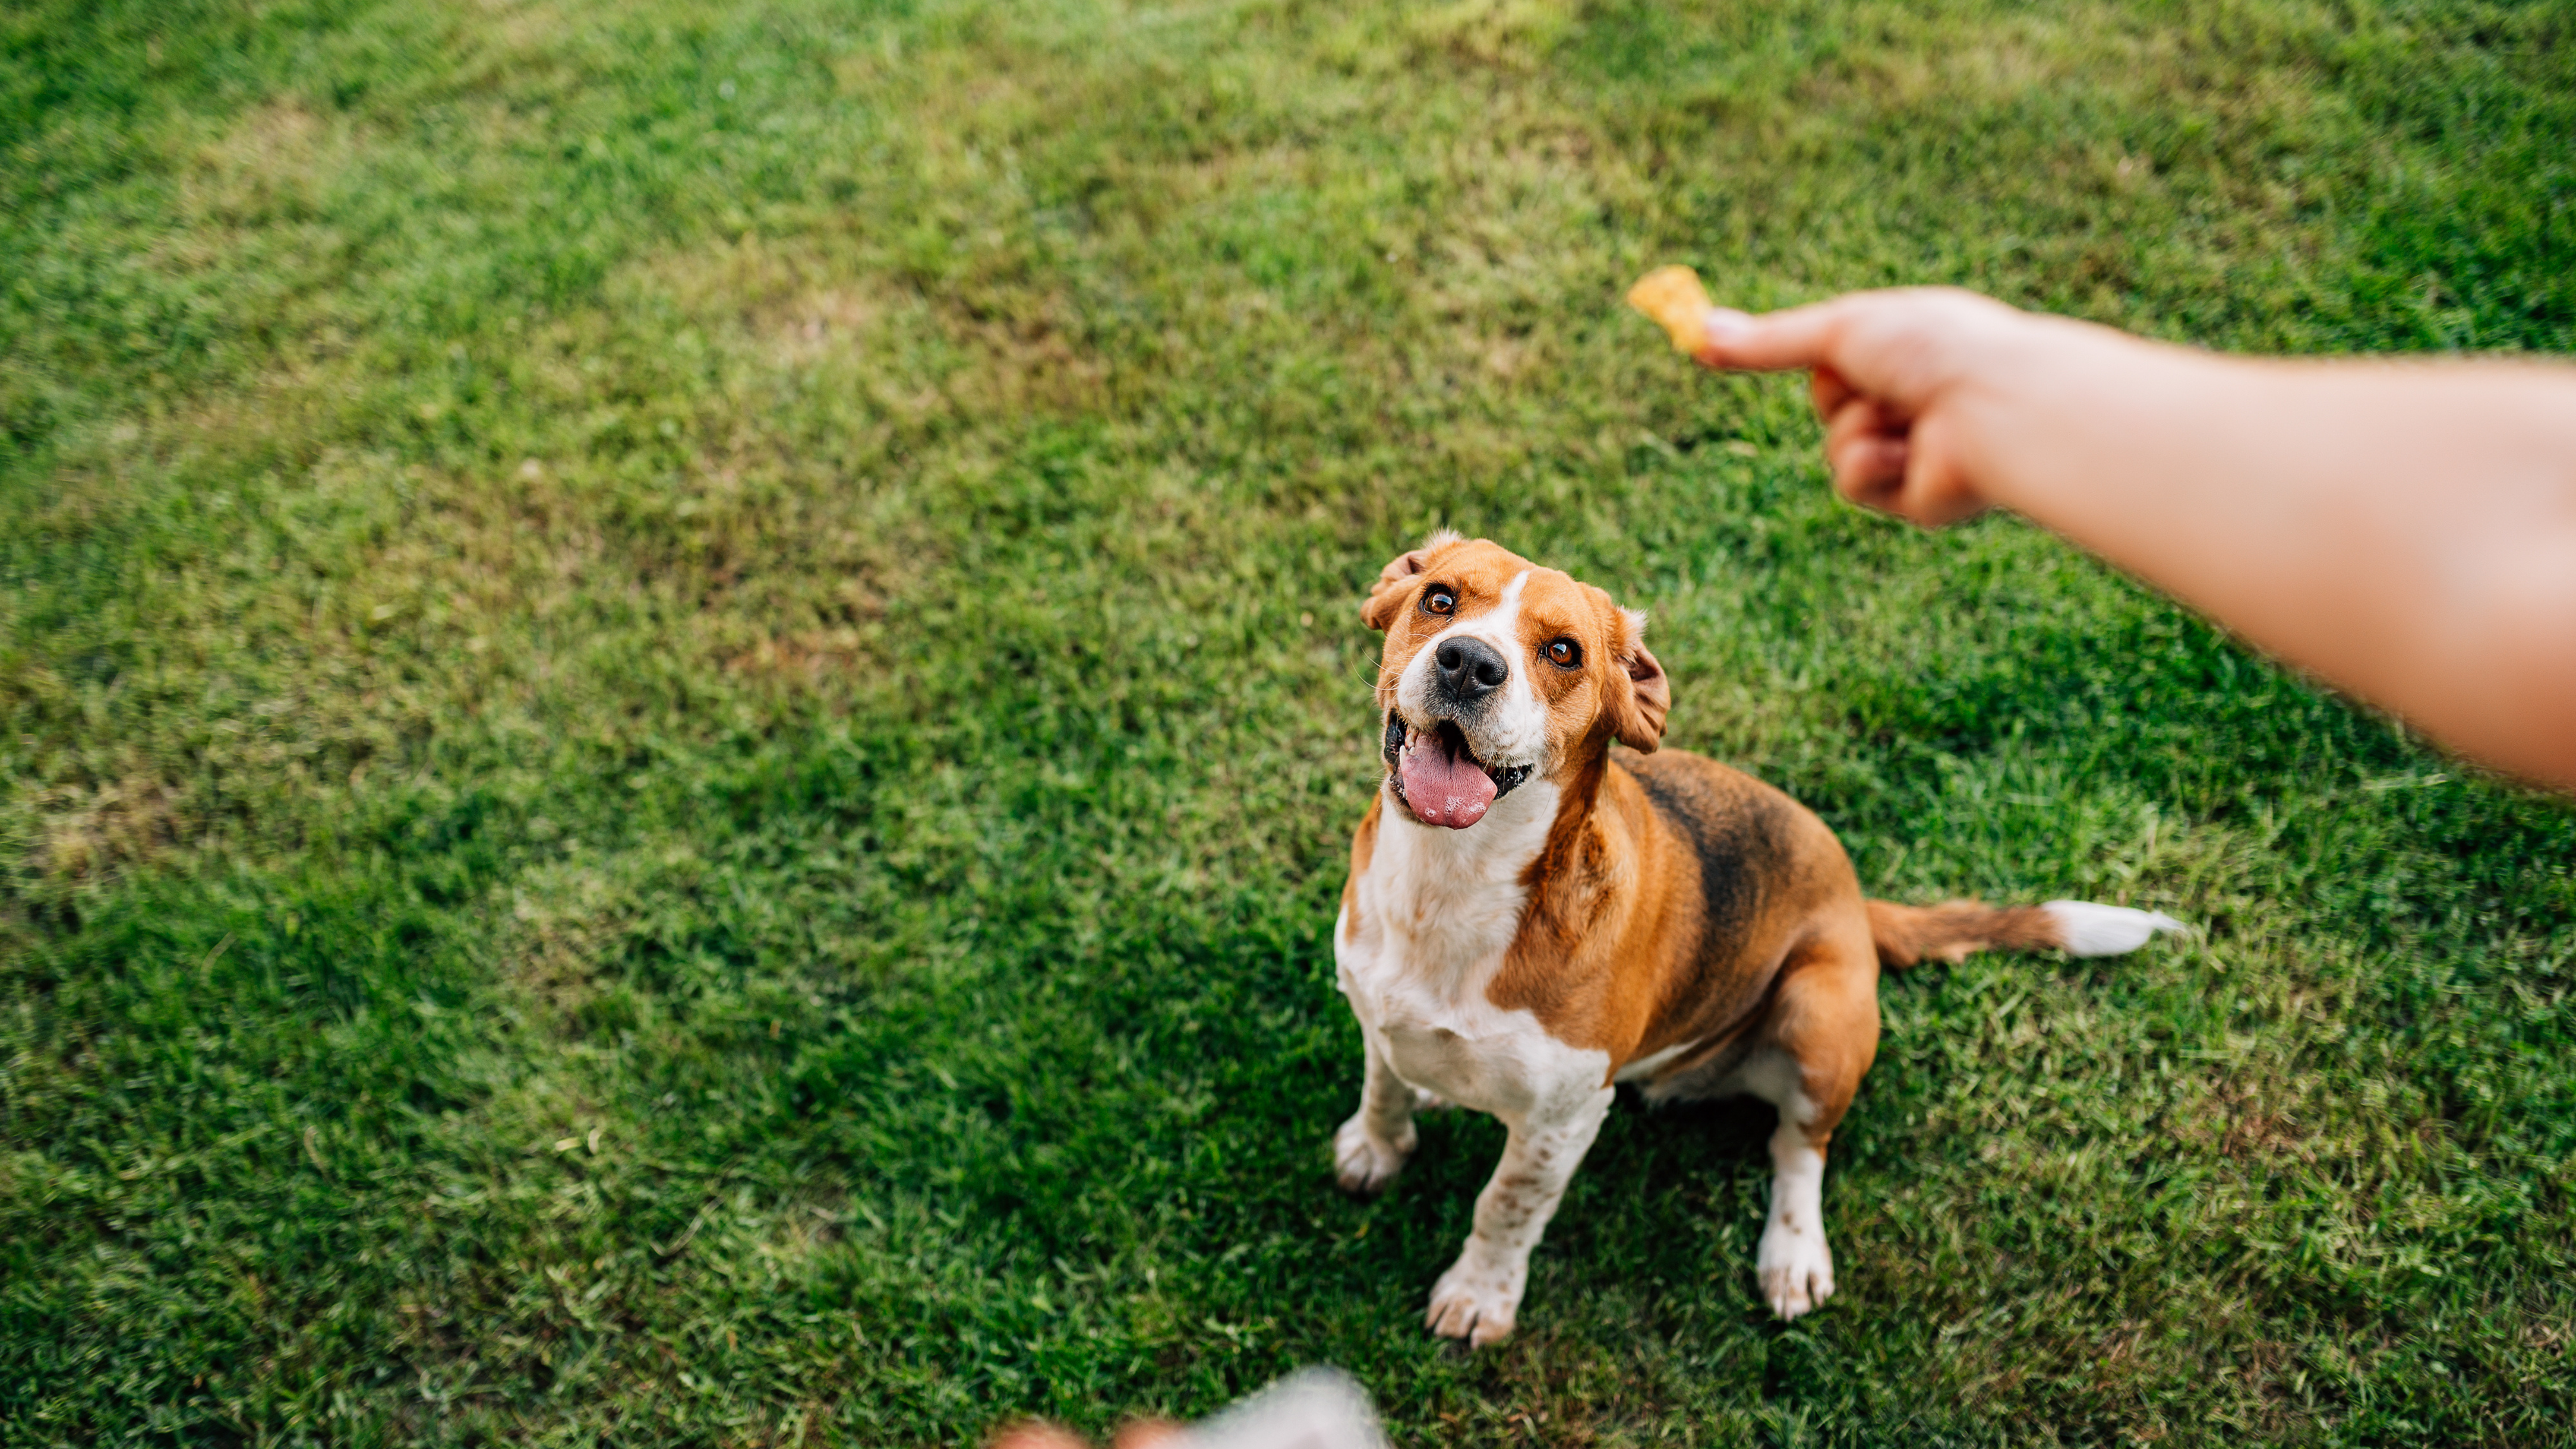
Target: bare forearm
{"x": 2405, "y": 531}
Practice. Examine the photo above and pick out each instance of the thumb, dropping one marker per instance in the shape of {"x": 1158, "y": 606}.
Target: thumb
{"x": 1799, "y": 338}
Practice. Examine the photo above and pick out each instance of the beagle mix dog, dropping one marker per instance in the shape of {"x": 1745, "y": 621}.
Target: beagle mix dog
{"x": 1541, "y": 906}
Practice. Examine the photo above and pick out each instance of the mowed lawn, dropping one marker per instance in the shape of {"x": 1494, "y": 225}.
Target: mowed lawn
{"x": 683, "y": 698}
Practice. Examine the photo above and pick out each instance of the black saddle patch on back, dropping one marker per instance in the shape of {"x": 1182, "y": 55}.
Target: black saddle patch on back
{"x": 1741, "y": 842}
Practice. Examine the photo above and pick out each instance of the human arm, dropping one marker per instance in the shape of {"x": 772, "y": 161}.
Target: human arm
{"x": 2404, "y": 530}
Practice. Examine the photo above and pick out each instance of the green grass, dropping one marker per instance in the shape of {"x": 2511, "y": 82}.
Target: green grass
{"x": 682, "y": 698}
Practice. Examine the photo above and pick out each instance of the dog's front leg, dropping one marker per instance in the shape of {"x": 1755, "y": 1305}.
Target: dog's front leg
{"x": 1480, "y": 1295}
{"x": 1372, "y": 1147}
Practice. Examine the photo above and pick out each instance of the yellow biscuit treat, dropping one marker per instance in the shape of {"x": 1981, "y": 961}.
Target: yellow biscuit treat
{"x": 1674, "y": 297}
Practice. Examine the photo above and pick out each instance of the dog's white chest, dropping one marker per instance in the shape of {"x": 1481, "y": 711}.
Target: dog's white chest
{"x": 1429, "y": 923}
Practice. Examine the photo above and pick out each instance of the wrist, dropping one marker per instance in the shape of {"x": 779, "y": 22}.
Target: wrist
{"x": 2048, "y": 394}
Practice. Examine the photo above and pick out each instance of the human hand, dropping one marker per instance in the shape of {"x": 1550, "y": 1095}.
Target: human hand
{"x": 1323, "y": 1408}
{"x": 1902, "y": 380}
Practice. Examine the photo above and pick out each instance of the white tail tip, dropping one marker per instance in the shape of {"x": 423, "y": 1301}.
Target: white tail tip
{"x": 2085, "y": 929}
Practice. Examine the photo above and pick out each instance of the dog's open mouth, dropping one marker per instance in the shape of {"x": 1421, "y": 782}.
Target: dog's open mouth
{"x": 1439, "y": 779}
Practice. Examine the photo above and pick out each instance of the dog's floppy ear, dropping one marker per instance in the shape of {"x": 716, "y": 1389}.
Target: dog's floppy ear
{"x": 1387, "y": 594}
{"x": 1638, "y": 720}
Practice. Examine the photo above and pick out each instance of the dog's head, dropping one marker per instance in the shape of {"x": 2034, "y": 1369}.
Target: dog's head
{"x": 1497, "y": 671}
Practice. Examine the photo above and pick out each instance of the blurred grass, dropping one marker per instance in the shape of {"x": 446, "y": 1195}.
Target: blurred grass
{"x": 682, "y": 698}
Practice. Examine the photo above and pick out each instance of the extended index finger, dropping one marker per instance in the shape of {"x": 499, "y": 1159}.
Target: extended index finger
{"x": 1792, "y": 339}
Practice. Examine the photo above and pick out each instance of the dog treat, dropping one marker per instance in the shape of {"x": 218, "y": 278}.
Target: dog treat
{"x": 1674, "y": 297}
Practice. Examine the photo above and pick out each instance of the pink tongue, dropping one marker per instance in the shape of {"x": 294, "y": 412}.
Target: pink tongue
{"x": 1445, "y": 789}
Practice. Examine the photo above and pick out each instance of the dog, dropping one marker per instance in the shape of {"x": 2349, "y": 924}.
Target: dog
{"x": 1541, "y": 906}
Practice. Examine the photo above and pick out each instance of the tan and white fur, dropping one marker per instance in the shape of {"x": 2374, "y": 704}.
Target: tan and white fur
{"x": 1541, "y": 906}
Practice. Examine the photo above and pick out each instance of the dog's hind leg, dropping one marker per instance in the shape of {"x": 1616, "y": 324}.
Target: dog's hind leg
{"x": 1819, "y": 1041}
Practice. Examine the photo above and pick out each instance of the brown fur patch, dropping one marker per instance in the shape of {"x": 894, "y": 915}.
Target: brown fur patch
{"x": 1363, "y": 850}
{"x": 1951, "y": 931}
{"x": 1667, "y": 900}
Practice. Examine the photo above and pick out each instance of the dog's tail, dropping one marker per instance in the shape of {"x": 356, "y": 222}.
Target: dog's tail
{"x": 1909, "y": 935}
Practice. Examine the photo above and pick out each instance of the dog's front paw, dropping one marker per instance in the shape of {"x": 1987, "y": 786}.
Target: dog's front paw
{"x": 1475, "y": 1300}
{"x": 1796, "y": 1268}
{"x": 1365, "y": 1164}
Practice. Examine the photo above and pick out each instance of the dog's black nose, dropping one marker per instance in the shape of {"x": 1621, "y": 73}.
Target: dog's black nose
{"x": 1469, "y": 669}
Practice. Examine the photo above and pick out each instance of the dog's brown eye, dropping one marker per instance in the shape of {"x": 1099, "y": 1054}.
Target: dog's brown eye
{"x": 1565, "y": 654}
{"x": 1439, "y": 601}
